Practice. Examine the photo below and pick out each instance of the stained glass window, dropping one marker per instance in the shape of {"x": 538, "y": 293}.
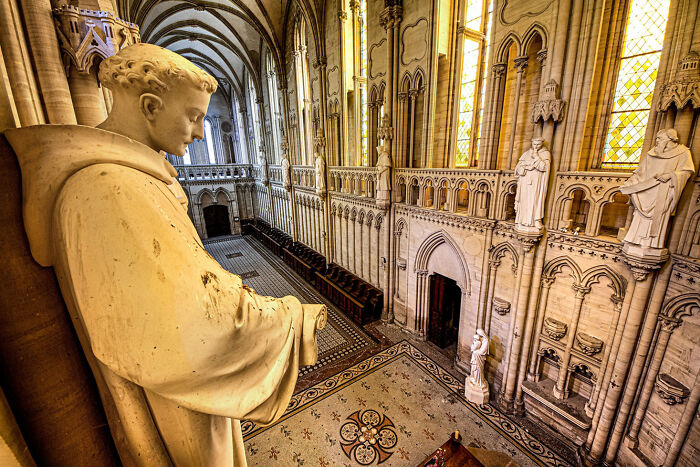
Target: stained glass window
{"x": 209, "y": 139}
{"x": 639, "y": 64}
{"x": 364, "y": 122}
{"x": 473, "y": 79}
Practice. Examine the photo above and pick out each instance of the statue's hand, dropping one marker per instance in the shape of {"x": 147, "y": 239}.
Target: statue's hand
{"x": 662, "y": 177}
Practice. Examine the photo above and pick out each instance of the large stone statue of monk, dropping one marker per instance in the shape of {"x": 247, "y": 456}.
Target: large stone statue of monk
{"x": 532, "y": 172}
{"x": 180, "y": 348}
{"x": 655, "y": 189}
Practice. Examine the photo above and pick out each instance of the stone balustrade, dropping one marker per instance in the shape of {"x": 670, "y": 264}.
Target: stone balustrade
{"x": 358, "y": 181}
{"x": 191, "y": 173}
{"x": 304, "y": 176}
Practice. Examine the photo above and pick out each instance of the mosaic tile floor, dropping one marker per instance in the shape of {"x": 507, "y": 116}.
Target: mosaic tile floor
{"x": 269, "y": 275}
{"x": 394, "y": 408}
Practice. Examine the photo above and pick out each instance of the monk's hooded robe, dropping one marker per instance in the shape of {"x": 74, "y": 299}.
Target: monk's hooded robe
{"x": 181, "y": 350}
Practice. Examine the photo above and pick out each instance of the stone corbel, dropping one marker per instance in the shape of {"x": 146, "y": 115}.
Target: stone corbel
{"x": 550, "y": 106}
{"x": 85, "y": 35}
{"x": 670, "y": 390}
{"x": 685, "y": 88}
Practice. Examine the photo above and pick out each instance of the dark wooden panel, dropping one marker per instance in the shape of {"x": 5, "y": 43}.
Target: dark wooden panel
{"x": 43, "y": 371}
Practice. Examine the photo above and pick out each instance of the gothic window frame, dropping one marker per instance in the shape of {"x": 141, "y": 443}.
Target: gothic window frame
{"x": 209, "y": 141}
{"x": 479, "y": 39}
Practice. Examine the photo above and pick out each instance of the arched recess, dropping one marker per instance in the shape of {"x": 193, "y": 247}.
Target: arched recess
{"x": 430, "y": 245}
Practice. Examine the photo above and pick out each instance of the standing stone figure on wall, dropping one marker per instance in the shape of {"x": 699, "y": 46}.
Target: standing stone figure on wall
{"x": 384, "y": 169}
{"x": 532, "y": 171}
{"x": 180, "y": 348}
{"x": 320, "y": 169}
{"x": 262, "y": 161}
{"x": 286, "y": 168}
{"x": 476, "y": 389}
{"x": 655, "y": 189}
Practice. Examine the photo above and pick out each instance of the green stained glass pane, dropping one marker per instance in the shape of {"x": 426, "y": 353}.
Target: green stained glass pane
{"x": 634, "y": 90}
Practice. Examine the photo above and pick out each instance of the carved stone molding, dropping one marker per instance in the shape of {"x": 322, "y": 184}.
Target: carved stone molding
{"x": 685, "y": 88}
{"x": 509, "y": 5}
{"x": 555, "y": 329}
{"x": 589, "y": 345}
{"x": 670, "y": 390}
{"x": 641, "y": 266}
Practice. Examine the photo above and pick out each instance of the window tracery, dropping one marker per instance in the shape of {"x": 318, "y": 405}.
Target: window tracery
{"x": 638, "y": 66}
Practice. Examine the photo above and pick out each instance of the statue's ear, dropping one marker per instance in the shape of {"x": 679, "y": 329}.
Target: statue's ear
{"x": 150, "y": 105}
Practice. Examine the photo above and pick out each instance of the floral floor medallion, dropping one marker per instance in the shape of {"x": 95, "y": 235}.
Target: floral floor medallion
{"x": 393, "y": 409}
{"x": 368, "y": 436}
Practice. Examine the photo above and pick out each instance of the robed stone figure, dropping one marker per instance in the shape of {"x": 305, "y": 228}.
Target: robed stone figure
{"x": 532, "y": 172}
{"x": 180, "y": 348}
{"x": 655, "y": 189}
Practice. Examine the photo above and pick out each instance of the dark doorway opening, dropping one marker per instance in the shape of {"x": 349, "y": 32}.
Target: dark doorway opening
{"x": 445, "y": 301}
{"x": 217, "y": 221}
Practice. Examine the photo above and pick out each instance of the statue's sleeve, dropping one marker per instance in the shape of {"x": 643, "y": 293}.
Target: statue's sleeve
{"x": 159, "y": 311}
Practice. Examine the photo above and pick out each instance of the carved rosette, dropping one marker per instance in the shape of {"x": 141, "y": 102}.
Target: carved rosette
{"x": 685, "y": 89}
{"x": 670, "y": 390}
{"x": 85, "y": 35}
{"x": 555, "y": 329}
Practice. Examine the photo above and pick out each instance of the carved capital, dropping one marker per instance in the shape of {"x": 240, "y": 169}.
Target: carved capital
{"x": 520, "y": 63}
{"x": 641, "y": 266}
{"x": 499, "y": 69}
{"x": 669, "y": 324}
{"x": 580, "y": 291}
{"x": 542, "y": 56}
{"x": 342, "y": 15}
{"x": 528, "y": 241}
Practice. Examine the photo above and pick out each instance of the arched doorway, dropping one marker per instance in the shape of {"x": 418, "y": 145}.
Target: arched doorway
{"x": 216, "y": 219}
{"x": 445, "y": 303}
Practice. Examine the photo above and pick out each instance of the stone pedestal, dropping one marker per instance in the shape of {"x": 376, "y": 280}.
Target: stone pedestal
{"x": 476, "y": 394}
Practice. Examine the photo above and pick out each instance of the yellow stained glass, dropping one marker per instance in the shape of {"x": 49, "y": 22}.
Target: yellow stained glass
{"x": 634, "y": 91}
{"x": 474, "y": 59}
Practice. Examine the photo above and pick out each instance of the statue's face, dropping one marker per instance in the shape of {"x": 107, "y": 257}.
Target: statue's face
{"x": 180, "y": 120}
{"x": 662, "y": 140}
{"x": 536, "y": 144}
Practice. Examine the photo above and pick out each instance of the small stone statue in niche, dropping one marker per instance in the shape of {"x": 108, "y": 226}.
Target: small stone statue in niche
{"x": 655, "y": 189}
{"x": 320, "y": 169}
{"x": 262, "y": 161}
{"x": 532, "y": 171}
{"x": 476, "y": 388}
{"x": 181, "y": 349}
{"x": 384, "y": 169}
{"x": 286, "y": 167}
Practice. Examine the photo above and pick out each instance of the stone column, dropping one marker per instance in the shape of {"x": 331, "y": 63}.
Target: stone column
{"x": 422, "y": 300}
{"x": 691, "y": 408}
{"x": 560, "y": 390}
{"x": 667, "y": 326}
{"x": 351, "y": 242}
{"x": 520, "y": 65}
{"x": 19, "y": 70}
{"x": 534, "y": 373}
{"x": 493, "y": 268}
{"x": 40, "y": 29}
{"x": 641, "y": 269}
{"x": 516, "y": 332}
{"x": 495, "y": 109}
{"x": 612, "y": 329}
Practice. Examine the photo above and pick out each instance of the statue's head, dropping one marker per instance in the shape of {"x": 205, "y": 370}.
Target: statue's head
{"x": 160, "y": 89}
{"x": 537, "y": 143}
{"x": 664, "y": 137}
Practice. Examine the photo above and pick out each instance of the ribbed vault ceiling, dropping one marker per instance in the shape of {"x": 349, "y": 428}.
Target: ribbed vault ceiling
{"x": 225, "y": 37}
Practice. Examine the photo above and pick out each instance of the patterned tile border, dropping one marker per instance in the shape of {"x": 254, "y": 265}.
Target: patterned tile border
{"x": 355, "y": 337}
{"x": 529, "y": 445}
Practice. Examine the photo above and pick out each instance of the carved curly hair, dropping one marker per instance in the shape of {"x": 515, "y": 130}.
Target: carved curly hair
{"x": 152, "y": 69}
